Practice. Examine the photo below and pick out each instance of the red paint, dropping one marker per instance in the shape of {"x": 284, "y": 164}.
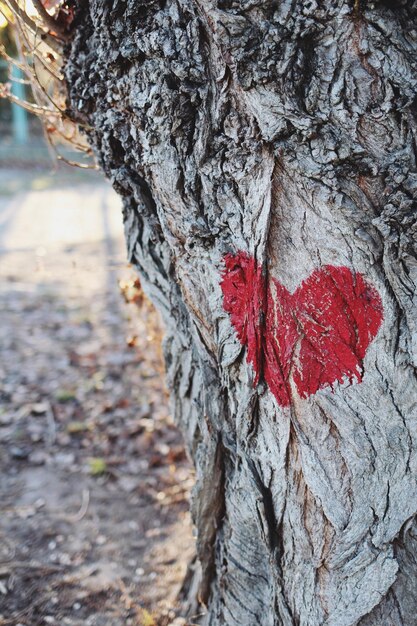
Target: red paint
{"x": 317, "y": 336}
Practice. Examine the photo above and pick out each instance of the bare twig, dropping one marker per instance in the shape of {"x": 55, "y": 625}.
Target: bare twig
{"x": 83, "y": 508}
{"x": 38, "y": 57}
{"x": 32, "y": 26}
{"x": 49, "y": 21}
{"x": 36, "y": 109}
{"x": 30, "y": 565}
{"x": 12, "y": 551}
{"x": 59, "y": 157}
{"x": 51, "y": 423}
{"x": 36, "y": 43}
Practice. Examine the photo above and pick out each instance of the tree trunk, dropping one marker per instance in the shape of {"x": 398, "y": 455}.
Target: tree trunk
{"x": 266, "y": 156}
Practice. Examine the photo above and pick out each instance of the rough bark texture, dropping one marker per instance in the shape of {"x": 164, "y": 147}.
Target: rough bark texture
{"x": 285, "y": 130}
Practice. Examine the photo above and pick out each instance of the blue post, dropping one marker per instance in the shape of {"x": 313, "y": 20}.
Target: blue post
{"x": 19, "y": 114}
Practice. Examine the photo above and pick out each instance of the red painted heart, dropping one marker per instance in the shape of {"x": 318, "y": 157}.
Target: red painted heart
{"x": 316, "y": 336}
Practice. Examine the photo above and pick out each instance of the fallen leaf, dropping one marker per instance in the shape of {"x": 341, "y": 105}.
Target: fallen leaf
{"x": 146, "y": 618}
{"x": 77, "y": 427}
{"x": 65, "y": 395}
{"x": 98, "y": 466}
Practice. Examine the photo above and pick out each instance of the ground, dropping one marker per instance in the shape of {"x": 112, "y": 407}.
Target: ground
{"x": 94, "y": 481}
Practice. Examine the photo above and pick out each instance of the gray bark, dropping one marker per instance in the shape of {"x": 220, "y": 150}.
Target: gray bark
{"x": 286, "y": 129}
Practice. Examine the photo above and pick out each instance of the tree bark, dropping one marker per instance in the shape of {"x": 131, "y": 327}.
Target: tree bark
{"x": 266, "y": 156}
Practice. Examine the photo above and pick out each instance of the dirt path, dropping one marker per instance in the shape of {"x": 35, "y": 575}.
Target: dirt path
{"x": 94, "y": 526}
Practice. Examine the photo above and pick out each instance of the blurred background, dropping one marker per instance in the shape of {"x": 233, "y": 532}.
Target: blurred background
{"x": 94, "y": 481}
